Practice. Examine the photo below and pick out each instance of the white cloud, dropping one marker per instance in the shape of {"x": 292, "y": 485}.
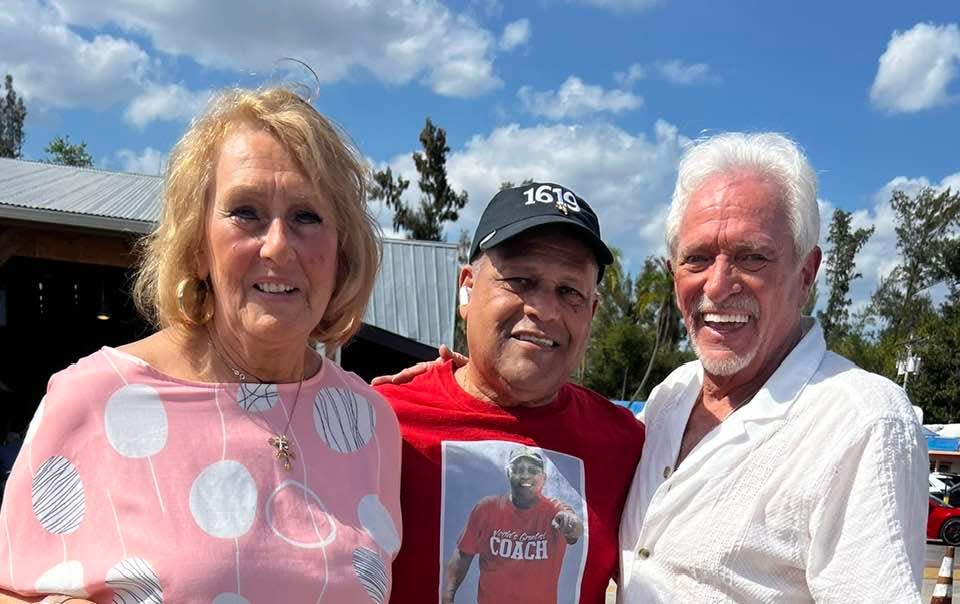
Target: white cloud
{"x": 53, "y": 65}
{"x": 633, "y": 74}
{"x": 627, "y": 178}
{"x": 463, "y": 66}
{"x": 912, "y": 186}
{"x": 396, "y": 40}
{"x": 916, "y": 69}
{"x": 678, "y": 72}
{"x": 173, "y": 102}
{"x": 576, "y": 99}
{"x": 515, "y": 34}
{"x": 149, "y": 161}
{"x": 952, "y": 181}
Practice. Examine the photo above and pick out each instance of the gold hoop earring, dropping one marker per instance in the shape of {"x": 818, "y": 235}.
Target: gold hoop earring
{"x": 194, "y": 300}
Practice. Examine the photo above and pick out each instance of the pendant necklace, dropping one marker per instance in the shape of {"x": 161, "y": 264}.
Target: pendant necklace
{"x": 278, "y": 441}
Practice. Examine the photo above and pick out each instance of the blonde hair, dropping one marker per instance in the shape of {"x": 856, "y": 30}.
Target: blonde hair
{"x": 327, "y": 158}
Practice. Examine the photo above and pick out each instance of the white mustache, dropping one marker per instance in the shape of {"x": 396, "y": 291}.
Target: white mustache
{"x": 740, "y": 302}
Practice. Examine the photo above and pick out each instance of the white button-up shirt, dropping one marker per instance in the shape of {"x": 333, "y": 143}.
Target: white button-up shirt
{"x": 815, "y": 490}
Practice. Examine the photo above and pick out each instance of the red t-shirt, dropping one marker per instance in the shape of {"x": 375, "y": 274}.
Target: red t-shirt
{"x": 516, "y": 547}
{"x": 591, "y": 449}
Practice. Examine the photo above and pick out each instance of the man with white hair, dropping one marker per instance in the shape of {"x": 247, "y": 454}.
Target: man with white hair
{"x": 773, "y": 470}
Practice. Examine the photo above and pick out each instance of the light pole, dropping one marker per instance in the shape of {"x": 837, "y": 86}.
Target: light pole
{"x": 909, "y": 363}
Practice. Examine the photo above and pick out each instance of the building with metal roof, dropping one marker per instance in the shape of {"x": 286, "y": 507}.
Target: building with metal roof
{"x": 943, "y": 447}
{"x": 44, "y": 193}
{"x": 67, "y": 239}
{"x": 415, "y": 289}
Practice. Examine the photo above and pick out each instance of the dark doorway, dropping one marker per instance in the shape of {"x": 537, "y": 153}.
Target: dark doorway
{"x": 49, "y": 318}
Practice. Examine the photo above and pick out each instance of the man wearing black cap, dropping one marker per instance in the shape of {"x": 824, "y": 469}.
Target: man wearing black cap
{"x": 527, "y": 297}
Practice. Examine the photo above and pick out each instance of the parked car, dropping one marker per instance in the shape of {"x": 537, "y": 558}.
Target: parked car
{"x": 943, "y": 522}
{"x": 942, "y": 481}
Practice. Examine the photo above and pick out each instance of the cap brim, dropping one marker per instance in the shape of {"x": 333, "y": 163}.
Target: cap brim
{"x": 600, "y": 249}
{"x": 529, "y": 456}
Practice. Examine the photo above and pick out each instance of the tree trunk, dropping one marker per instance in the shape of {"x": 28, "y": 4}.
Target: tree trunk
{"x": 661, "y": 330}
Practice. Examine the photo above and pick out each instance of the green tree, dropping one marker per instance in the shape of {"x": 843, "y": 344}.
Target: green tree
{"x": 615, "y": 292}
{"x": 635, "y": 336}
{"x": 459, "y": 325}
{"x": 12, "y": 115}
{"x": 926, "y": 223}
{"x": 605, "y": 366}
{"x": 384, "y": 186}
{"x": 936, "y": 387}
{"x": 951, "y": 264}
{"x": 509, "y": 185}
{"x": 62, "y": 151}
{"x": 841, "y": 264}
{"x": 811, "y": 303}
{"x": 439, "y": 203}
{"x": 901, "y": 311}
{"x": 656, "y": 301}
{"x": 615, "y": 360}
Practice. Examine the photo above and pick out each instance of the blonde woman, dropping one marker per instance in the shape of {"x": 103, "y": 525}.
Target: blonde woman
{"x": 222, "y": 459}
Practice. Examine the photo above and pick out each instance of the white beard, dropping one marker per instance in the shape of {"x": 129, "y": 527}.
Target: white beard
{"x": 725, "y": 366}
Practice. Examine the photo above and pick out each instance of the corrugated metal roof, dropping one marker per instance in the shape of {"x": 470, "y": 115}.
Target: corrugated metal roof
{"x": 57, "y": 194}
{"x": 414, "y": 295}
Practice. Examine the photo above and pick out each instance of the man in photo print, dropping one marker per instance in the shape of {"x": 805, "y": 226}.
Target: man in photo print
{"x": 521, "y": 537}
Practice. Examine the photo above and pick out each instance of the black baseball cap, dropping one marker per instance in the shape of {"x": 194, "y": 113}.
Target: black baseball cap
{"x": 519, "y": 209}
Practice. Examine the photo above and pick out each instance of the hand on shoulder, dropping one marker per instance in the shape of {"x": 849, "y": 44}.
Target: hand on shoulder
{"x": 409, "y": 373}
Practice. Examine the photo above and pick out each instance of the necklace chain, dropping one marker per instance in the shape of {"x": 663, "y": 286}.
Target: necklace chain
{"x": 278, "y": 440}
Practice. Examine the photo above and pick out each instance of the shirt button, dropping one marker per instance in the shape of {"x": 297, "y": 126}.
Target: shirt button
{"x": 667, "y": 471}
{"x": 643, "y": 554}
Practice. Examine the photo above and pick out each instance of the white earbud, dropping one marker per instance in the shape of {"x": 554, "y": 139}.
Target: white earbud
{"x": 464, "y": 295}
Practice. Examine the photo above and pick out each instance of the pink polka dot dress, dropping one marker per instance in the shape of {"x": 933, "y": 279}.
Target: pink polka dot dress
{"x": 133, "y": 486}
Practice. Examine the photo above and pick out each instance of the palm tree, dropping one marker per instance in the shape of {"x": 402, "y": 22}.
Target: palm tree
{"x": 615, "y": 303}
{"x": 655, "y": 295}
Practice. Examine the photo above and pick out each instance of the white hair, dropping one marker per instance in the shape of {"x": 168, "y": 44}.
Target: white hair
{"x": 771, "y": 156}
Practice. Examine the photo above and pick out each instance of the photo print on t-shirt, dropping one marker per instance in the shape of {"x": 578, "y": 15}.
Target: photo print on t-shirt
{"x": 513, "y": 524}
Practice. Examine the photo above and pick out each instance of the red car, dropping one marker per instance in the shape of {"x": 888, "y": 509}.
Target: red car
{"x": 943, "y": 522}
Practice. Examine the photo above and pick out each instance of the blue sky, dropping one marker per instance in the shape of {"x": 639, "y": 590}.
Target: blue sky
{"x": 600, "y": 95}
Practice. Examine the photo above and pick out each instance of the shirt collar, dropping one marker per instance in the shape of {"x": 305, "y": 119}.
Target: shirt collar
{"x": 770, "y": 404}
{"x": 776, "y": 396}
